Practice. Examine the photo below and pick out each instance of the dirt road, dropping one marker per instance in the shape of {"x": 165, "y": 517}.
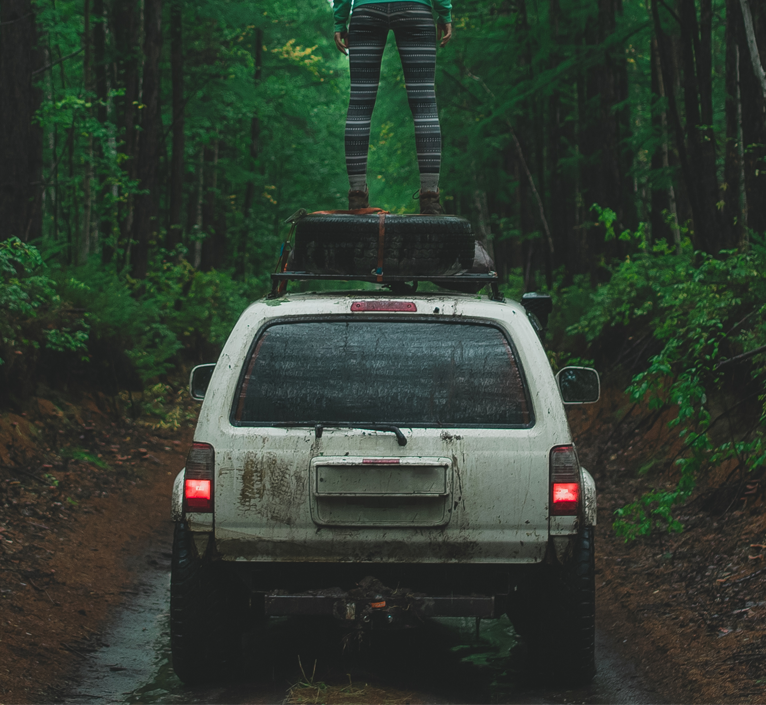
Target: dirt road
{"x": 445, "y": 662}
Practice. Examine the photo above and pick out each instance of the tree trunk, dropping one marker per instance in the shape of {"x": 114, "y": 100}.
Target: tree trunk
{"x": 752, "y": 46}
{"x": 125, "y": 28}
{"x": 699, "y": 134}
{"x": 558, "y": 200}
{"x": 241, "y": 264}
{"x": 753, "y": 124}
{"x": 211, "y": 256}
{"x": 198, "y": 201}
{"x": 101, "y": 224}
{"x": 732, "y": 215}
{"x": 660, "y": 201}
{"x": 255, "y": 125}
{"x": 21, "y": 138}
{"x": 85, "y": 235}
{"x": 49, "y": 199}
{"x": 602, "y": 177}
{"x": 688, "y": 171}
{"x": 145, "y": 223}
{"x": 705, "y": 63}
{"x": 174, "y": 234}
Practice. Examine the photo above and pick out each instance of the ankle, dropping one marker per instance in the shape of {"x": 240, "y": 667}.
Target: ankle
{"x": 358, "y": 183}
{"x": 429, "y": 183}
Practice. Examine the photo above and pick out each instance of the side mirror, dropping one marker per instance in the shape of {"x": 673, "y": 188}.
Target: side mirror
{"x": 199, "y": 380}
{"x": 579, "y": 385}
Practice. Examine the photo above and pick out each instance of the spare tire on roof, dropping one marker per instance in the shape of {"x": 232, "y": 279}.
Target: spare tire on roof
{"x": 411, "y": 245}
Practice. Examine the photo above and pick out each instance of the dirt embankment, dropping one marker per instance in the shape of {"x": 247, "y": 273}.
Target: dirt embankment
{"x": 82, "y": 492}
{"x": 689, "y": 608}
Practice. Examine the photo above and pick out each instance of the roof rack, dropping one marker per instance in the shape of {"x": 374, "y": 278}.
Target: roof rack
{"x": 398, "y": 282}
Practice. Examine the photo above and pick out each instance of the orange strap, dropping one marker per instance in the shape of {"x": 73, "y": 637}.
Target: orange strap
{"x": 358, "y": 211}
{"x": 381, "y": 243}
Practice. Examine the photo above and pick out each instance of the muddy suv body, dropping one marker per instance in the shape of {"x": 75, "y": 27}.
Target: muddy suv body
{"x": 383, "y": 459}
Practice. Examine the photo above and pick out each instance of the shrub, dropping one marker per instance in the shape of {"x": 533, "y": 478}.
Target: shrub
{"x": 707, "y": 315}
{"x": 35, "y": 318}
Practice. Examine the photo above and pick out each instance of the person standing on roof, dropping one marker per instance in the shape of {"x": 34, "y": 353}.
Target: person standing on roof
{"x": 364, "y": 41}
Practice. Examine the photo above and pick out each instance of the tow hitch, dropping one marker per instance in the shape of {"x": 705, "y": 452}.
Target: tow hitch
{"x": 371, "y": 605}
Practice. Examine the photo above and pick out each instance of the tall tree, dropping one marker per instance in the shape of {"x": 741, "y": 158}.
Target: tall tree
{"x": 660, "y": 198}
{"x": 255, "y": 123}
{"x": 21, "y": 137}
{"x": 751, "y": 36}
{"x": 145, "y": 221}
{"x": 754, "y": 120}
{"x": 125, "y": 29}
{"x": 213, "y": 215}
{"x": 732, "y": 194}
{"x": 101, "y": 85}
{"x": 603, "y": 122}
{"x": 697, "y": 78}
{"x": 83, "y": 249}
{"x": 174, "y": 233}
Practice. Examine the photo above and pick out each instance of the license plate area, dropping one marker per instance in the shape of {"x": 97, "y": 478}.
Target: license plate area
{"x": 381, "y": 491}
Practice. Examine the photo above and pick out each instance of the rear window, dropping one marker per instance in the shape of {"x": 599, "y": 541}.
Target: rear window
{"x": 407, "y": 373}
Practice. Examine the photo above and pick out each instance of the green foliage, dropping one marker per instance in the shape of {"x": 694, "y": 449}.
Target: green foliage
{"x": 176, "y": 313}
{"x": 651, "y": 511}
{"x": 33, "y": 311}
{"x": 703, "y": 311}
{"x": 176, "y": 310}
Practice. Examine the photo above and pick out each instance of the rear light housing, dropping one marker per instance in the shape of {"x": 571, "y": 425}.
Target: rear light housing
{"x": 198, "y": 478}
{"x": 565, "y": 481}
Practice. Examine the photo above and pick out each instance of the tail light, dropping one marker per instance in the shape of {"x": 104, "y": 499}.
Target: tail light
{"x": 565, "y": 481}
{"x": 384, "y": 306}
{"x": 198, "y": 480}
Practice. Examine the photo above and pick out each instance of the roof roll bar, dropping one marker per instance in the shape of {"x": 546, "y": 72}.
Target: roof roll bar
{"x": 279, "y": 280}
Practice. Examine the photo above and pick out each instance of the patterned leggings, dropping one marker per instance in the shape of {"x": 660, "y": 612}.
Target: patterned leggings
{"x": 415, "y": 35}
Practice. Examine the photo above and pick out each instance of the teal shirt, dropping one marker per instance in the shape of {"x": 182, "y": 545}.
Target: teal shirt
{"x": 342, "y": 9}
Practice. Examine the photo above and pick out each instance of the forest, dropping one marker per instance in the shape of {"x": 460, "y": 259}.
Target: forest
{"x": 610, "y": 152}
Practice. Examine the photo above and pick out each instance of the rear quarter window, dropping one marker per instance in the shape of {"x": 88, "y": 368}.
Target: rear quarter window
{"x": 408, "y": 373}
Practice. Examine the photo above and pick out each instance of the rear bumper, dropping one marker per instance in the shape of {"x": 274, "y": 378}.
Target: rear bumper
{"x": 380, "y": 611}
{"x": 390, "y": 545}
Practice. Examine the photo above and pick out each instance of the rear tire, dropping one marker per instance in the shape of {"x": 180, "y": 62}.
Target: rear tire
{"x": 418, "y": 245}
{"x": 205, "y": 637}
{"x": 557, "y": 619}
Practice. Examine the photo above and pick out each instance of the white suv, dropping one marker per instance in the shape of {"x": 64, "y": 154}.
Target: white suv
{"x": 384, "y": 459}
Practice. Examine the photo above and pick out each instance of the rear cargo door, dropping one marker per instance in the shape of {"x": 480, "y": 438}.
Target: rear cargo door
{"x": 382, "y": 439}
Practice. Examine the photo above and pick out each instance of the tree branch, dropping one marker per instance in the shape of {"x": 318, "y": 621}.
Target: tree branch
{"x": 18, "y": 19}
{"x": 740, "y": 358}
{"x": 56, "y": 63}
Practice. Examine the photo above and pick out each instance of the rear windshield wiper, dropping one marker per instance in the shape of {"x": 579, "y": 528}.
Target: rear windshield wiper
{"x": 320, "y": 427}
{"x": 390, "y": 428}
